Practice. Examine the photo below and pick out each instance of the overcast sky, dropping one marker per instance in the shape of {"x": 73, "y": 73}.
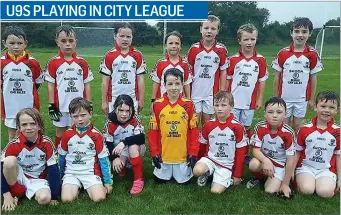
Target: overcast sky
{"x": 317, "y": 12}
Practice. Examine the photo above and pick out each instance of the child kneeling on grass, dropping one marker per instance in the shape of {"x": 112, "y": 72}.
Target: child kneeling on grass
{"x": 228, "y": 146}
{"x": 29, "y": 163}
{"x": 318, "y": 149}
{"x": 124, "y": 137}
{"x": 83, "y": 156}
{"x": 273, "y": 149}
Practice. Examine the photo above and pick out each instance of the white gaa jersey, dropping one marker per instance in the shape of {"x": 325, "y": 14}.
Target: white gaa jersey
{"x": 69, "y": 78}
{"x": 206, "y": 66}
{"x": 123, "y": 70}
{"x": 245, "y": 75}
{"x": 295, "y": 69}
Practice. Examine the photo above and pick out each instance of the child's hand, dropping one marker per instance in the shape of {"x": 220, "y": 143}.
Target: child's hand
{"x": 285, "y": 189}
{"x": 311, "y": 104}
{"x": 259, "y": 104}
{"x": 268, "y": 168}
{"x": 105, "y": 108}
{"x": 118, "y": 149}
{"x": 53, "y": 202}
{"x": 108, "y": 188}
{"x": 118, "y": 165}
{"x": 9, "y": 203}
{"x": 237, "y": 181}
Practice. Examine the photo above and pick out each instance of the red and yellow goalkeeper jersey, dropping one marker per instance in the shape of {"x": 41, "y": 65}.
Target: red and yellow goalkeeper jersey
{"x": 173, "y": 130}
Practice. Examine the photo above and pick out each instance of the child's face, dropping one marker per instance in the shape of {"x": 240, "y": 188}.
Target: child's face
{"x": 209, "y": 30}
{"x": 275, "y": 114}
{"x": 124, "y": 38}
{"x": 66, "y": 44}
{"x": 16, "y": 45}
{"x": 173, "y": 86}
{"x": 222, "y": 108}
{"x": 123, "y": 113}
{"x": 248, "y": 41}
{"x": 326, "y": 110}
{"x": 28, "y": 127}
{"x": 173, "y": 45}
{"x": 300, "y": 35}
{"x": 81, "y": 117}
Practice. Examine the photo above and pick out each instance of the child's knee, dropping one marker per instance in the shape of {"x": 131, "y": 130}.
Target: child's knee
{"x": 68, "y": 198}
{"x": 325, "y": 192}
{"x": 271, "y": 189}
{"x": 98, "y": 196}
{"x": 134, "y": 151}
{"x": 254, "y": 165}
{"x": 306, "y": 188}
{"x": 198, "y": 170}
{"x": 217, "y": 190}
{"x": 10, "y": 162}
{"x": 44, "y": 198}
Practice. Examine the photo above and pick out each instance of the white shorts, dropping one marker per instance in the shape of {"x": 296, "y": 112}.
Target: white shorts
{"x": 244, "y": 116}
{"x": 298, "y": 109}
{"x": 65, "y": 121}
{"x": 221, "y": 175}
{"x": 86, "y": 181}
{"x": 279, "y": 172}
{"x": 32, "y": 185}
{"x": 11, "y": 123}
{"x": 180, "y": 172}
{"x": 111, "y": 105}
{"x": 205, "y": 106}
{"x": 125, "y": 151}
{"x": 316, "y": 173}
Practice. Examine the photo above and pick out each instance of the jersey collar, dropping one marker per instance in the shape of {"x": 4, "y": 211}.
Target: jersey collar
{"x": 74, "y": 55}
{"x": 306, "y": 48}
{"x": 22, "y": 139}
{"x": 201, "y": 44}
{"x": 268, "y": 129}
{"x": 329, "y": 123}
{"x": 131, "y": 48}
{"x": 90, "y": 127}
{"x": 23, "y": 55}
{"x": 180, "y": 59}
{"x": 253, "y": 55}
{"x": 167, "y": 99}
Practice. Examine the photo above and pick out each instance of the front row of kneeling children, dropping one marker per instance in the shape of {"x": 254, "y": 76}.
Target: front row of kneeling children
{"x": 30, "y": 164}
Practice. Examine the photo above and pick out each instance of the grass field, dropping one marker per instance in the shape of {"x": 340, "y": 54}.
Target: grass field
{"x": 173, "y": 198}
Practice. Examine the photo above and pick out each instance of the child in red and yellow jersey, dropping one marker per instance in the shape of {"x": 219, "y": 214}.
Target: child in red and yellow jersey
{"x": 173, "y": 132}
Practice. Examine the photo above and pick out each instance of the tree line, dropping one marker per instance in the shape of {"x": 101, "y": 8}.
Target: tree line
{"x": 231, "y": 14}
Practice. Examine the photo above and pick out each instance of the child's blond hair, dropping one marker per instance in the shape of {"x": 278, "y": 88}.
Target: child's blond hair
{"x": 34, "y": 113}
{"x": 248, "y": 27}
{"x": 224, "y": 96}
{"x": 212, "y": 18}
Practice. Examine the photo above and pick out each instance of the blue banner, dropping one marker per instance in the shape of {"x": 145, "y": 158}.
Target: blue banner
{"x": 103, "y": 10}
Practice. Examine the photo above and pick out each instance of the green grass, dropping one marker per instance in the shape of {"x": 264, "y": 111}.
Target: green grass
{"x": 173, "y": 198}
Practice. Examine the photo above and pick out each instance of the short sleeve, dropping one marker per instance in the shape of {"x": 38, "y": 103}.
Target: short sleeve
{"x": 155, "y": 74}
{"x": 50, "y": 72}
{"x": 315, "y": 63}
{"x": 87, "y": 73}
{"x": 203, "y": 138}
{"x": 141, "y": 67}
{"x": 105, "y": 67}
{"x": 101, "y": 149}
{"x": 51, "y": 157}
{"x": 263, "y": 70}
{"x": 224, "y": 60}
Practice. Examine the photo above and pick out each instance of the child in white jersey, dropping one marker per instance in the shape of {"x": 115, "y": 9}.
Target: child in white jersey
{"x": 318, "y": 149}
{"x": 83, "y": 156}
{"x": 227, "y": 146}
{"x": 68, "y": 77}
{"x": 124, "y": 137}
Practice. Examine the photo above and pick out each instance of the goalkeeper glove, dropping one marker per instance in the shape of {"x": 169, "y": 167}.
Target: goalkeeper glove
{"x": 54, "y": 112}
{"x": 157, "y": 161}
{"x": 191, "y": 160}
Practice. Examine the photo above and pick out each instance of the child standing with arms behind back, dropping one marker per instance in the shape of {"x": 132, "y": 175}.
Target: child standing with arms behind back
{"x": 68, "y": 77}
{"x": 21, "y": 77}
{"x": 295, "y": 77}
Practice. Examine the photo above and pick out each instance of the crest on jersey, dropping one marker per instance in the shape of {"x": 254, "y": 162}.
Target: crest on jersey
{"x": 184, "y": 115}
{"x": 271, "y": 154}
{"x": 255, "y": 69}
{"x": 124, "y": 75}
{"x": 17, "y": 84}
{"x": 91, "y": 146}
{"x": 173, "y": 127}
{"x": 216, "y": 60}
{"x": 306, "y": 66}
{"x": 332, "y": 142}
{"x": 28, "y": 73}
{"x": 296, "y": 75}
{"x": 244, "y": 78}
{"x": 42, "y": 157}
{"x": 205, "y": 71}
{"x": 79, "y": 72}
{"x": 233, "y": 138}
{"x": 71, "y": 83}
{"x": 133, "y": 65}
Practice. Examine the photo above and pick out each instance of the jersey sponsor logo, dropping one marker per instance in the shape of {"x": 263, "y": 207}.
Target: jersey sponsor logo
{"x": 124, "y": 77}
{"x": 221, "y": 150}
{"x": 271, "y": 153}
{"x": 71, "y": 85}
{"x": 318, "y": 157}
{"x": 29, "y": 167}
{"x": 17, "y": 86}
{"x": 173, "y": 129}
{"x": 244, "y": 80}
{"x": 295, "y": 76}
{"x": 78, "y": 159}
{"x": 172, "y": 122}
{"x": 205, "y": 71}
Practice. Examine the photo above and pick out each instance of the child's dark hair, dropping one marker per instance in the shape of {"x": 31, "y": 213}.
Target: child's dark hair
{"x": 13, "y": 30}
{"x": 127, "y": 100}
{"x": 68, "y": 29}
{"x": 224, "y": 95}
{"x": 173, "y": 33}
{"x": 326, "y": 96}
{"x": 275, "y": 100}
{"x": 302, "y": 22}
{"x": 173, "y": 72}
{"x": 79, "y": 103}
{"x": 120, "y": 25}
{"x": 36, "y": 116}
